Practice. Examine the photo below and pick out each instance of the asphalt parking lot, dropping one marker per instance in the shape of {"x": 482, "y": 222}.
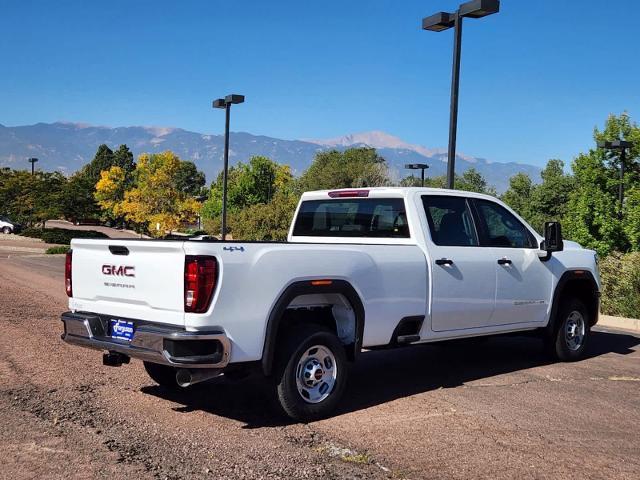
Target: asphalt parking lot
{"x": 495, "y": 409}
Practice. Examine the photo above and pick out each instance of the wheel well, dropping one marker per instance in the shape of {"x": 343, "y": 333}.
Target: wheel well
{"x": 336, "y": 307}
{"x": 583, "y": 288}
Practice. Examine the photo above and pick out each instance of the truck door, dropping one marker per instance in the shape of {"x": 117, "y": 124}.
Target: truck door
{"x": 463, "y": 279}
{"x": 523, "y": 282}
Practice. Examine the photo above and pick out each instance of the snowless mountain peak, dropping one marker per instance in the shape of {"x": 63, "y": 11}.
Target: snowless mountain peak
{"x": 160, "y": 131}
{"x": 377, "y": 139}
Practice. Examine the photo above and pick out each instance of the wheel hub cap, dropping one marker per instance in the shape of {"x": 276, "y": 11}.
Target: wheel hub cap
{"x": 316, "y": 374}
{"x": 574, "y": 331}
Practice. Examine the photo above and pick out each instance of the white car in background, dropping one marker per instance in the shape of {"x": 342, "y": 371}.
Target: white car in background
{"x": 7, "y": 226}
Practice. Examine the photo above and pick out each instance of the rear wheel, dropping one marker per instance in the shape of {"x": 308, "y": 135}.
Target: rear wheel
{"x": 163, "y": 375}
{"x": 311, "y": 372}
{"x": 571, "y": 331}
{"x": 6, "y": 230}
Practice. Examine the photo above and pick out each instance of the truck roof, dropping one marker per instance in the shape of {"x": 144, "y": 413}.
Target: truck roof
{"x": 377, "y": 192}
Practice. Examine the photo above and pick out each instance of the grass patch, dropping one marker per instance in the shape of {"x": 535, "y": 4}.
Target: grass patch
{"x": 345, "y": 454}
{"x": 361, "y": 458}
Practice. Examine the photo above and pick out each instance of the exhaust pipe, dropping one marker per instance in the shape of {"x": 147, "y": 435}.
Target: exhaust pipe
{"x": 186, "y": 377}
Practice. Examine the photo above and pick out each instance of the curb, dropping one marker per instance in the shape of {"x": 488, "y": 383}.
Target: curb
{"x": 632, "y": 324}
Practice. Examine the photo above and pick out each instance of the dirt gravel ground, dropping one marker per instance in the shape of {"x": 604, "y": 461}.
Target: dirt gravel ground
{"x": 16, "y": 245}
{"x": 496, "y": 409}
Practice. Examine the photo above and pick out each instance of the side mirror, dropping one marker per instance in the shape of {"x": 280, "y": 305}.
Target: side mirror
{"x": 553, "y": 237}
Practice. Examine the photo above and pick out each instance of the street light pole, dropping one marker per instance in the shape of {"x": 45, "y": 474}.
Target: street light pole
{"x": 443, "y": 21}
{"x": 418, "y": 166}
{"x": 453, "y": 109}
{"x": 33, "y": 161}
{"x": 621, "y": 185}
{"x": 226, "y": 103}
{"x": 226, "y": 169}
{"x": 621, "y": 145}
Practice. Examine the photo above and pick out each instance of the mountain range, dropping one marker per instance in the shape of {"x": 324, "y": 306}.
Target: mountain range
{"x": 68, "y": 146}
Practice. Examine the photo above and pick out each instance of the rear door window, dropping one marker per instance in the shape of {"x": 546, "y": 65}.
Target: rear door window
{"x": 450, "y": 221}
{"x": 370, "y": 217}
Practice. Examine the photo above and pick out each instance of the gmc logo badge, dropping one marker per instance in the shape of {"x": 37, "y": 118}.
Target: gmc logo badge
{"x": 119, "y": 271}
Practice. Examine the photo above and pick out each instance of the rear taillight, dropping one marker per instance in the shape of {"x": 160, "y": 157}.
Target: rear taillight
{"x": 67, "y": 274}
{"x": 200, "y": 275}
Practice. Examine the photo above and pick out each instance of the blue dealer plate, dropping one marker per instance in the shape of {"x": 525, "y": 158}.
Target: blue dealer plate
{"x": 121, "y": 329}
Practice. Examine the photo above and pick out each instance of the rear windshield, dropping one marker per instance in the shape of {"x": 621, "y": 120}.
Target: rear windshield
{"x": 370, "y": 217}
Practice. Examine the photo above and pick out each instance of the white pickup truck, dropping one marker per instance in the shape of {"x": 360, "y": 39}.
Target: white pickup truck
{"x": 362, "y": 268}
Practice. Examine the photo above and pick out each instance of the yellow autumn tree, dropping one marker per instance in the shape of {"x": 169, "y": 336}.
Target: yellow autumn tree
{"x": 156, "y": 200}
{"x": 110, "y": 190}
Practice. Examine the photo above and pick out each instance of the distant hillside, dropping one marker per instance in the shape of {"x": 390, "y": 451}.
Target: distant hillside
{"x": 68, "y": 146}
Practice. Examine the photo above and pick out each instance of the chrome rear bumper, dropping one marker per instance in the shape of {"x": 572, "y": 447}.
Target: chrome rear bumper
{"x": 151, "y": 342}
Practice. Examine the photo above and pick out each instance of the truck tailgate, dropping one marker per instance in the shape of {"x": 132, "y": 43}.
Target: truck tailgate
{"x": 134, "y": 279}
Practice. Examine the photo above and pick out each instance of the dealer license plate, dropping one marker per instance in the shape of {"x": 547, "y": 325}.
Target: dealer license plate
{"x": 121, "y": 329}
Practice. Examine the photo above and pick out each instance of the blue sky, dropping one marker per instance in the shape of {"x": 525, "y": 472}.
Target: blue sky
{"x": 536, "y": 78}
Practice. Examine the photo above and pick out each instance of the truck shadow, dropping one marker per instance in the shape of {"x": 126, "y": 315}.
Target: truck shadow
{"x": 385, "y": 375}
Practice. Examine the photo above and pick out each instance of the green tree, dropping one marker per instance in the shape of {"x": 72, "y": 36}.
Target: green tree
{"x": 550, "y": 199}
{"x": 103, "y": 160}
{"x": 266, "y": 221}
{"x": 472, "y": 181}
{"x": 354, "y": 167}
{"x": 248, "y": 184}
{"x": 123, "y": 158}
{"x": 592, "y": 217}
{"x": 518, "y": 195}
{"x": 31, "y": 199}
{"x": 77, "y": 199}
{"x": 189, "y": 179}
{"x": 412, "y": 181}
{"x": 544, "y": 202}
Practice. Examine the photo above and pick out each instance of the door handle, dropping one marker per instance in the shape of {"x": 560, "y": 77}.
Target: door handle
{"x": 504, "y": 261}
{"x": 444, "y": 261}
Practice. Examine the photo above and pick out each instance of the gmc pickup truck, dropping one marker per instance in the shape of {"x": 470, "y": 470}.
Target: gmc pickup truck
{"x": 362, "y": 269}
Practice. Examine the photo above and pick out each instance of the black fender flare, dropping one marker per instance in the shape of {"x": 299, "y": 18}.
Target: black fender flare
{"x": 565, "y": 279}
{"x": 307, "y": 287}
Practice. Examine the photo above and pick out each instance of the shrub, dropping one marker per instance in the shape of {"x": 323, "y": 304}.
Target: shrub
{"x": 61, "y": 236}
{"x": 620, "y": 275}
{"x": 58, "y": 250}
{"x": 31, "y": 232}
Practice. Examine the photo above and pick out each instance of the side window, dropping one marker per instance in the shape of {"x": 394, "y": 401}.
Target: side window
{"x": 450, "y": 221}
{"x": 500, "y": 228}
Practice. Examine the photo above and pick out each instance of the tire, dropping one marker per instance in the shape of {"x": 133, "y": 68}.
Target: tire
{"x": 163, "y": 375}
{"x": 571, "y": 331}
{"x": 310, "y": 389}
{"x": 6, "y": 230}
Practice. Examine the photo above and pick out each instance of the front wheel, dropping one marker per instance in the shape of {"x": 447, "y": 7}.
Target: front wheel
{"x": 571, "y": 332}
{"x": 311, "y": 373}
{"x": 6, "y": 230}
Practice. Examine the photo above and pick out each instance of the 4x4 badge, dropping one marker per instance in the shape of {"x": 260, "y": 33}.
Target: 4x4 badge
{"x": 233, "y": 249}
